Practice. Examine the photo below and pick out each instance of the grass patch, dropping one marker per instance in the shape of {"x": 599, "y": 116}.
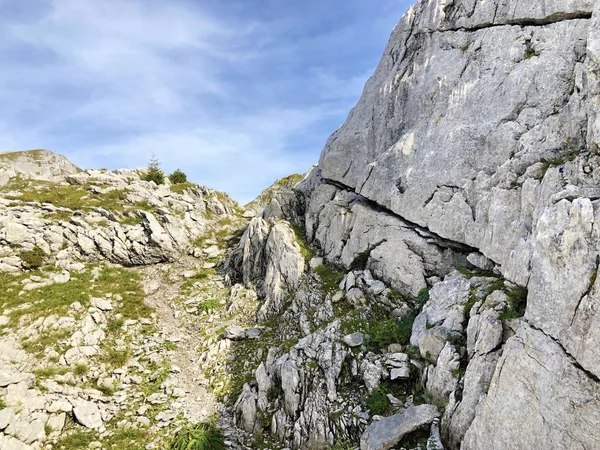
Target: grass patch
{"x": 305, "y": 249}
{"x": 74, "y": 197}
{"x": 330, "y": 278}
{"x": 123, "y": 284}
{"x": 517, "y": 303}
{"x": 209, "y": 305}
{"x": 121, "y": 438}
{"x": 202, "y": 436}
{"x": 37, "y": 345}
{"x": 114, "y": 357}
{"x": 180, "y": 188}
{"x": 64, "y": 216}
{"x": 81, "y": 369}
{"x": 378, "y": 323}
{"x": 378, "y": 403}
{"x": 77, "y": 440}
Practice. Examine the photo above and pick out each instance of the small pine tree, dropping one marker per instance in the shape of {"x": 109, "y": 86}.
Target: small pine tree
{"x": 154, "y": 173}
{"x": 178, "y": 177}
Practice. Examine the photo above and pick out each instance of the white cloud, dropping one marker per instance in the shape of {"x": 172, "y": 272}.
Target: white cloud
{"x": 108, "y": 82}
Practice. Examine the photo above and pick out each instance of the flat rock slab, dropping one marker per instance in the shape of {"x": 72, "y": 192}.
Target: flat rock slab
{"x": 386, "y": 433}
{"x": 8, "y": 377}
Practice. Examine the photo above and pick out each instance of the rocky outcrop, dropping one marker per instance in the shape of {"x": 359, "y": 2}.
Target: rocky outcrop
{"x": 134, "y": 222}
{"x": 538, "y": 397}
{"x": 356, "y": 233}
{"x": 269, "y": 255}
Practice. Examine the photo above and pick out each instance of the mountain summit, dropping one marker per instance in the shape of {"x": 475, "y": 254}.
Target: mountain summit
{"x": 35, "y": 164}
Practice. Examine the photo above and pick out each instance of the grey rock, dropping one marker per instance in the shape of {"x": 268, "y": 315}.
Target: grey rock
{"x": 355, "y": 296}
{"x": 354, "y": 339}
{"x": 402, "y": 373}
{"x": 377, "y": 287}
{"x": 38, "y": 165}
{"x": 10, "y": 443}
{"x": 371, "y": 373}
{"x": 57, "y": 422}
{"x": 102, "y": 304}
{"x": 559, "y": 420}
{"x": 87, "y": 414}
{"x": 246, "y": 412}
{"x": 212, "y": 252}
{"x": 441, "y": 381}
{"x": 235, "y": 333}
{"x": 435, "y": 440}
{"x": 7, "y": 416}
{"x": 8, "y": 377}
{"x": 389, "y": 431}
{"x": 480, "y": 261}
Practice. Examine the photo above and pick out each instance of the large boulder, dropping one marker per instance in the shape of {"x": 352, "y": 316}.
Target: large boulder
{"x": 389, "y": 431}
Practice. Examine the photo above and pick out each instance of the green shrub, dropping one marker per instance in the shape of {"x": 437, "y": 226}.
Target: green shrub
{"x": 178, "y": 177}
{"x": 378, "y": 402}
{"x": 154, "y": 174}
{"x": 392, "y": 331}
{"x": 202, "y": 436}
{"x": 34, "y": 258}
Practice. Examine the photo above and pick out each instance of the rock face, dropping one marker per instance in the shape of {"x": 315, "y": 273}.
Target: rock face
{"x": 475, "y": 145}
{"x": 451, "y": 124}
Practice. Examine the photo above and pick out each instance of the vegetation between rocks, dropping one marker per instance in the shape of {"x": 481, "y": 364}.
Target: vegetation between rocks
{"x": 202, "y": 436}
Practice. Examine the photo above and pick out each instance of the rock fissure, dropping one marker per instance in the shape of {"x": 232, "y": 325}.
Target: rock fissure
{"x": 523, "y": 23}
{"x": 424, "y": 231}
{"x": 571, "y": 358}
{"x": 589, "y": 289}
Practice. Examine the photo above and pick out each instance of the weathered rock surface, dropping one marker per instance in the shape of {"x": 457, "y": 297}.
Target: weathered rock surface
{"x": 540, "y": 398}
{"x": 387, "y": 432}
{"x": 462, "y": 151}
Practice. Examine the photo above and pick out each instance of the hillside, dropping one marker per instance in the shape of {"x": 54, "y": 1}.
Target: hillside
{"x": 35, "y": 164}
{"x": 431, "y": 283}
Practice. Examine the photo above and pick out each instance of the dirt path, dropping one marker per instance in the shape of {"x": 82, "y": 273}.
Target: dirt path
{"x": 184, "y": 331}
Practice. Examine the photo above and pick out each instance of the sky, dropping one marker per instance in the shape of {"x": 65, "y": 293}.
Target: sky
{"x": 236, "y": 93}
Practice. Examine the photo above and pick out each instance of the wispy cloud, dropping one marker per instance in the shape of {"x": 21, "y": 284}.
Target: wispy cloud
{"x": 233, "y": 95}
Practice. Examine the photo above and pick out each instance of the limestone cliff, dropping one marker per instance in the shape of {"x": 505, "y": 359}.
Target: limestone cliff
{"x": 475, "y": 146}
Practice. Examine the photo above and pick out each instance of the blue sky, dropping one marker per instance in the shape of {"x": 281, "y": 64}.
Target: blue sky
{"x": 236, "y": 93}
